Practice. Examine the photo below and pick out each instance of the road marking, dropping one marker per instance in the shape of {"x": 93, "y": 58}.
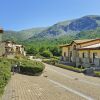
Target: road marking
{"x": 71, "y": 90}
{"x": 70, "y": 77}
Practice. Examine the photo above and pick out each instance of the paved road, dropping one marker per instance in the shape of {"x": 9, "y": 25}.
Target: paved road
{"x": 54, "y": 84}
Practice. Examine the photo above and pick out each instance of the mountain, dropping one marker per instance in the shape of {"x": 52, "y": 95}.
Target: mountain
{"x": 90, "y": 34}
{"x": 21, "y": 35}
{"x": 77, "y": 27}
{"x": 71, "y": 27}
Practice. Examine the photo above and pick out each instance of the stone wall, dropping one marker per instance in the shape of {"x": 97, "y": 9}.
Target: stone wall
{"x": 97, "y": 62}
{"x": 2, "y": 49}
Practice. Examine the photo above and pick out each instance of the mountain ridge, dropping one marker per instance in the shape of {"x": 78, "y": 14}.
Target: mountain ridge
{"x": 69, "y": 27}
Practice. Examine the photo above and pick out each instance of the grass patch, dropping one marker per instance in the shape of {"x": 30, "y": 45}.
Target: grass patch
{"x": 80, "y": 70}
{"x": 55, "y": 62}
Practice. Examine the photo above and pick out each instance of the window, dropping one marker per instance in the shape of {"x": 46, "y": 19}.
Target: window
{"x": 64, "y": 54}
{"x": 84, "y": 55}
{"x": 74, "y": 47}
{"x": 94, "y": 55}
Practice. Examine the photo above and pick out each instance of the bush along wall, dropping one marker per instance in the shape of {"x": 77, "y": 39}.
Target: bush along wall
{"x": 97, "y": 73}
{"x": 79, "y": 70}
{"x": 5, "y": 74}
{"x": 55, "y": 62}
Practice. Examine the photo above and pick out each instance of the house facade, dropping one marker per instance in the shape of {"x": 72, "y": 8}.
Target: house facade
{"x": 82, "y": 52}
{"x": 12, "y": 49}
{"x": 9, "y": 48}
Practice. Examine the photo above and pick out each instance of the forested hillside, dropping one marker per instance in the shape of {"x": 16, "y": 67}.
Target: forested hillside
{"x": 37, "y": 40}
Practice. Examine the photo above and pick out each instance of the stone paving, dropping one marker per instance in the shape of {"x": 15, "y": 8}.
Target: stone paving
{"x": 54, "y": 84}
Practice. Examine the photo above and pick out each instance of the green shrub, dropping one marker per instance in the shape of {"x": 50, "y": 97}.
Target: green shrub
{"x": 46, "y": 53}
{"x": 51, "y": 61}
{"x": 28, "y": 67}
{"x": 97, "y": 73}
{"x": 31, "y": 67}
{"x": 70, "y": 68}
{"x": 32, "y": 51}
{"x": 5, "y": 68}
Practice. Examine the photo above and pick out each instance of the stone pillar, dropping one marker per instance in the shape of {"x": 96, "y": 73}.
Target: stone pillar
{"x": 1, "y": 33}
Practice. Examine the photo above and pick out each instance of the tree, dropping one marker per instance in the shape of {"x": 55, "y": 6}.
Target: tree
{"x": 32, "y": 50}
{"x": 41, "y": 50}
{"x": 55, "y": 51}
{"x": 46, "y": 53}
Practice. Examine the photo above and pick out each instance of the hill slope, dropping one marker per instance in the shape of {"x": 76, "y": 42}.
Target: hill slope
{"x": 21, "y": 35}
{"x": 71, "y": 27}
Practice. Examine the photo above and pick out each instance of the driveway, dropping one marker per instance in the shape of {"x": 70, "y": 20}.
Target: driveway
{"x": 54, "y": 84}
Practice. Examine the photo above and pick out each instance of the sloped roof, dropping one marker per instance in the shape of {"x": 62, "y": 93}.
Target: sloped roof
{"x": 94, "y": 46}
{"x": 64, "y": 45}
{"x": 79, "y": 42}
{"x": 84, "y": 40}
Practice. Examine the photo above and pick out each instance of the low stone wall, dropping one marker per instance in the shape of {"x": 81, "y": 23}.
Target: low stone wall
{"x": 97, "y": 62}
{"x": 2, "y": 49}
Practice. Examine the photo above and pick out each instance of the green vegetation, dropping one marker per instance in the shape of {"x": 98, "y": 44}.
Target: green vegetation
{"x": 5, "y": 68}
{"x": 46, "y": 54}
{"x": 31, "y": 67}
{"x": 32, "y": 50}
{"x": 28, "y": 67}
{"x": 38, "y": 46}
{"x": 91, "y": 34}
{"x": 38, "y": 40}
{"x": 80, "y": 70}
{"x": 97, "y": 73}
{"x": 21, "y": 35}
{"x": 51, "y": 61}
{"x": 55, "y": 62}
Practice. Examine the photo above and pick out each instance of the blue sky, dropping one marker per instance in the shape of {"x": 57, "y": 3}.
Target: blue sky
{"x": 24, "y": 14}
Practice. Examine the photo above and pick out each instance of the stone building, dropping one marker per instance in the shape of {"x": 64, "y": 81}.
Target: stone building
{"x": 12, "y": 49}
{"x": 82, "y": 52}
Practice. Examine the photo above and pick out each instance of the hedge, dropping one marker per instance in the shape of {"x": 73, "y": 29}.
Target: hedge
{"x": 31, "y": 67}
{"x": 5, "y": 68}
{"x": 79, "y": 70}
{"x": 55, "y": 62}
{"x": 51, "y": 61}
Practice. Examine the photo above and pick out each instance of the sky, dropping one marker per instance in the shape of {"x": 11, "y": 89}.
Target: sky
{"x": 24, "y": 14}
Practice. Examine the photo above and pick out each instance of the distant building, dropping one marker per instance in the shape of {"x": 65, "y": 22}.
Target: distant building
{"x": 82, "y": 52}
{"x": 12, "y": 49}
